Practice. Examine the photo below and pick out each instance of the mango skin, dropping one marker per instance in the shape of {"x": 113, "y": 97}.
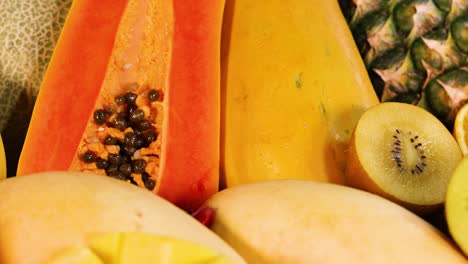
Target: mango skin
{"x": 300, "y": 221}
{"x": 46, "y": 212}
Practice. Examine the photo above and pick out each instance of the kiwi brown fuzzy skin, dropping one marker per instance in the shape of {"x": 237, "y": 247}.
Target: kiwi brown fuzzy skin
{"x": 357, "y": 177}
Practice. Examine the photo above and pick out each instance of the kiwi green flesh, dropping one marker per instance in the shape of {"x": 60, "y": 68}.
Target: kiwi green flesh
{"x": 406, "y": 152}
{"x": 456, "y": 205}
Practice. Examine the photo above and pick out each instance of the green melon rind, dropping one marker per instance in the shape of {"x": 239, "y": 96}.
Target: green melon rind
{"x": 28, "y": 34}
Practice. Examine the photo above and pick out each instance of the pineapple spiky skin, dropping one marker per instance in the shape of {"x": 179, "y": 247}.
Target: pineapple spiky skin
{"x": 415, "y": 51}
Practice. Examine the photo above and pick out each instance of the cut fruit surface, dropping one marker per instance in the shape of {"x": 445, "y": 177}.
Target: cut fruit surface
{"x": 138, "y": 247}
{"x": 456, "y": 205}
{"x": 404, "y": 153}
{"x": 460, "y": 129}
{"x": 137, "y": 101}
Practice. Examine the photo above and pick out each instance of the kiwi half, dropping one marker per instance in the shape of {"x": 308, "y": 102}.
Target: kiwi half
{"x": 403, "y": 153}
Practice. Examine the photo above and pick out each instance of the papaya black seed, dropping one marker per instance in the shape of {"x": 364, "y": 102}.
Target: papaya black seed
{"x": 120, "y": 123}
{"x": 150, "y": 136}
{"x": 109, "y": 140}
{"x": 130, "y": 109}
{"x": 137, "y": 132}
{"x": 149, "y": 183}
{"x": 119, "y": 176}
{"x": 138, "y": 165}
{"x": 114, "y": 159}
{"x": 112, "y": 169}
{"x": 120, "y": 99}
{"x": 139, "y": 142}
{"x": 102, "y": 163}
{"x": 129, "y": 150}
{"x": 153, "y": 95}
{"x": 130, "y": 98}
{"x": 125, "y": 168}
{"x": 144, "y": 124}
{"x": 126, "y": 158}
{"x": 110, "y": 109}
{"x": 132, "y": 181}
{"x": 129, "y": 139}
{"x": 88, "y": 157}
{"x": 136, "y": 115}
{"x": 100, "y": 116}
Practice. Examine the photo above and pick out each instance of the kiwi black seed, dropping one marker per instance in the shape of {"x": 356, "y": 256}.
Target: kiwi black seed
{"x": 400, "y": 138}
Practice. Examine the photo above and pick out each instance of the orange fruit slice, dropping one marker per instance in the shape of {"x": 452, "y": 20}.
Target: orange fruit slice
{"x": 460, "y": 128}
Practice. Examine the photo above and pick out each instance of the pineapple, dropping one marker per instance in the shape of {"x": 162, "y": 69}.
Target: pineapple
{"x": 415, "y": 51}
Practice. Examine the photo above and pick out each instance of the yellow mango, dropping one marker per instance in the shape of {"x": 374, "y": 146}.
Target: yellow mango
{"x": 293, "y": 88}
{"x": 137, "y": 247}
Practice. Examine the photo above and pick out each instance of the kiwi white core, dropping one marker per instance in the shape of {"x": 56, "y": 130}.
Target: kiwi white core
{"x": 407, "y": 152}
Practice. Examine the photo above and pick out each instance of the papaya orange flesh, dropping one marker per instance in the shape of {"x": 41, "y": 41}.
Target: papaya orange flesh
{"x": 117, "y": 65}
{"x": 71, "y": 85}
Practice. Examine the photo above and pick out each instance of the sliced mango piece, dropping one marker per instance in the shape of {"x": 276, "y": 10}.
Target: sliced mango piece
{"x": 138, "y": 247}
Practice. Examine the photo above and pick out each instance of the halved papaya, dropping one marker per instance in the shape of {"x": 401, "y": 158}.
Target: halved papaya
{"x": 133, "y": 92}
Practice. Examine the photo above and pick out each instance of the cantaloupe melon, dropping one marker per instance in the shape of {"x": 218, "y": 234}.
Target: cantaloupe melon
{"x": 28, "y": 33}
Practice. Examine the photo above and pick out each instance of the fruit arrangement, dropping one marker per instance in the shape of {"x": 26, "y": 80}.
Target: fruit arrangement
{"x": 170, "y": 131}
